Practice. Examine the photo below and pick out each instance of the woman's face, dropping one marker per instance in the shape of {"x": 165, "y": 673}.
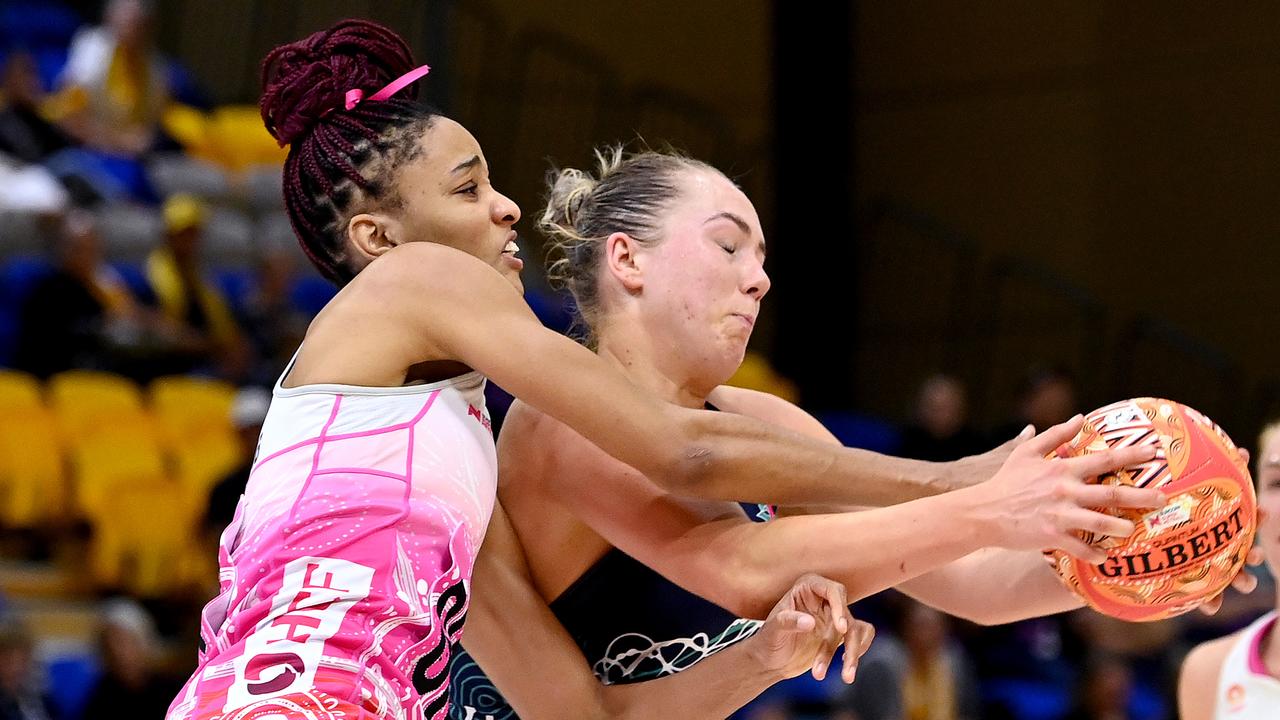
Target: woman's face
{"x": 703, "y": 282}
{"x": 446, "y": 198}
{"x": 1269, "y": 501}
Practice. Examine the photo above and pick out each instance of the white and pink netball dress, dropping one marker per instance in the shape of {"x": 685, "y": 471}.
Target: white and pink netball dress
{"x": 346, "y": 572}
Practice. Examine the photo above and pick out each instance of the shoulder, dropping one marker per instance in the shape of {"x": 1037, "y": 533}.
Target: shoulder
{"x": 769, "y": 408}
{"x": 1198, "y": 679}
{"x": 418, "y": 266}
{"x": 532, "y": 431}
{"x": 426, "y": 284}
{"x": 544, "y": 447}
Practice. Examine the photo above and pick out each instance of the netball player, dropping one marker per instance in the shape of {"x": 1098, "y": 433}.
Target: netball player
{"x": 664, "y": 257}
{"x": 1238, "y": 677}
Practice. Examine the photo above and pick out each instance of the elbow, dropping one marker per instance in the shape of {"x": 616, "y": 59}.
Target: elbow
{"x": 981, "y": 619}
{"x": 688, "y": 459}
{"x": 747, "y": 589}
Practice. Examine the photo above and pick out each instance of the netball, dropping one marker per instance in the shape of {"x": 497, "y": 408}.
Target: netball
{"x": 1186, "y": 552}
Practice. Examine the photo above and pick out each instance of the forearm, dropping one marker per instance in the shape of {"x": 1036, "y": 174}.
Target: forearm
{"x": 732, "y": 457}
{"x": 994, "y": 586}
{"x": 542, "y": 675}
{"x": 713, "y": 688}
{"x": 527, "y": 653}
{"x": 866, "y": 551}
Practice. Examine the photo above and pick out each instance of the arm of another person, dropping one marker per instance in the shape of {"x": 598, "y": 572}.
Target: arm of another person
{"x": 989, "y": 586}
{"x": 521, "y": 646}
{"x": 422, "y": 301}
{"x": 1198, "y": 680}
{"x": 714, "y": 551}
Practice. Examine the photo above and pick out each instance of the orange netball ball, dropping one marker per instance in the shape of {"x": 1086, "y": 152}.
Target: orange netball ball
{"x": 1189, "y": 550}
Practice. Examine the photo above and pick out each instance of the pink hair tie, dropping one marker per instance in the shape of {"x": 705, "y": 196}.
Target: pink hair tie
{"x": 355, "y": 96}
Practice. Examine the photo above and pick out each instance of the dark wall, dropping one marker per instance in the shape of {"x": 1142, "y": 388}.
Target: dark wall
{"x": 1128, "y": 150}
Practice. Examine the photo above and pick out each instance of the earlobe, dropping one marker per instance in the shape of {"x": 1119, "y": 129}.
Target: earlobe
{"x": 623, "y": 260}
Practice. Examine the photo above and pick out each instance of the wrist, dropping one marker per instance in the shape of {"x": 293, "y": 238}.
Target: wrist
{"x": 972, "y": 507}
{"x": 764, "y": 668}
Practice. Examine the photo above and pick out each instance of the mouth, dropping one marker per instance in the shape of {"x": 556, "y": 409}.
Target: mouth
{"x": 509, "y": 253}
{"x": 748, "y": 319}
{"x": 511, "y": 247}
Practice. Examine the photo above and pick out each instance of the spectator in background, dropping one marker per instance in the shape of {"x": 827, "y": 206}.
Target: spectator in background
{"x": 114, "y": 85}
{"x": 919, "y": 672}
{"x": 130, "y": 684}
{"x": 66, "y": 318}
{"x": 248, "y": 410}
{"x": 940, "y": 429}
{"x": 27, "y": 138}
{"x": 1047, "y": 397}
{"x": 187, "y": 298}
{"x": 273, "y": 327}
{"x": 1105, "y": 692}
{"x": 25, "y": 133}
{"x": 20, "y": 696}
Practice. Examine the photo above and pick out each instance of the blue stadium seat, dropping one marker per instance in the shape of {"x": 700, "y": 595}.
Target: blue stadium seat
{"x": 555, "y": 310}
{"x": 17, "y": 278}
{"x": 37, "y": 23}
{"x": 311, "y": 293}
{"x": 235, "y": 284}
{"x": 71, "y": 678}
{"x": 136, "y": 280}
{"x": 49, "y": 64}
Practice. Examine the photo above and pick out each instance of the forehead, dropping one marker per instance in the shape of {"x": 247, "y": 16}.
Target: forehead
{"x": 1268, "y": 455}
{"x": 445, "y": 146}
{"x": 703, "y": 194}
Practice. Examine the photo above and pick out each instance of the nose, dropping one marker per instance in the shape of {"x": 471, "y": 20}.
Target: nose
{"x": 505, "y": 210}
{"x": 757, "y": 282}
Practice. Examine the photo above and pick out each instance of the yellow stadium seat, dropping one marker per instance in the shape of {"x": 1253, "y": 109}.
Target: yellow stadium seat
{"x": 109, "y": 461}
{"x": 141, "y": 540}
{"x": 32, "y": 484}
{"x": 238, "y": 139}
{"x": 84, "y": 401}
{"x": 200, "y": 463}
{"x": 756, "y": 373}
{"x": 19, "y": 391}
{"x": 187, "y": 408}
{"x": 190, "y": 127}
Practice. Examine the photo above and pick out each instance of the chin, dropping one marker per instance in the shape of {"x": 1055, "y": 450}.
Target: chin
{"x": 516, "y": 282}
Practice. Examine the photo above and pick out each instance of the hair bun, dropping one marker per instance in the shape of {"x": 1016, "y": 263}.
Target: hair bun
{"x": 568, "y": 190}
{"x": 305, "y": 80}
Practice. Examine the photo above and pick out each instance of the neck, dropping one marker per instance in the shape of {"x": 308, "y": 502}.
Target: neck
{"x": 652, "y": 365}
{"x": 1270, "y": 647}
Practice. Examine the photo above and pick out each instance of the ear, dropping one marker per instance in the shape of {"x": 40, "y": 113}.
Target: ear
{"x": 372, "y": 234}
{"x": 622, "y": 255}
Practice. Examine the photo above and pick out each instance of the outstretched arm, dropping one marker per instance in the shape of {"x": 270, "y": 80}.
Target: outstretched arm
{"x": 542, "y": 674}
{"x": 713, "y": 551}
{"x": 459, "y": 309}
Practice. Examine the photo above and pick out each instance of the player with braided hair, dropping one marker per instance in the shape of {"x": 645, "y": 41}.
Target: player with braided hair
{"x": 346, "y": 572}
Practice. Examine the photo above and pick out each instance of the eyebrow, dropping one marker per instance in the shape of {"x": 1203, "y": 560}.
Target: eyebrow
{"x": 467, "y": 164}
{"x": 736, "y": 220}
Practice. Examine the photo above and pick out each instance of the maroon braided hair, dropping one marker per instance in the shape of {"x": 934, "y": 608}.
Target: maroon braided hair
{"x": 341, "y": 162}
